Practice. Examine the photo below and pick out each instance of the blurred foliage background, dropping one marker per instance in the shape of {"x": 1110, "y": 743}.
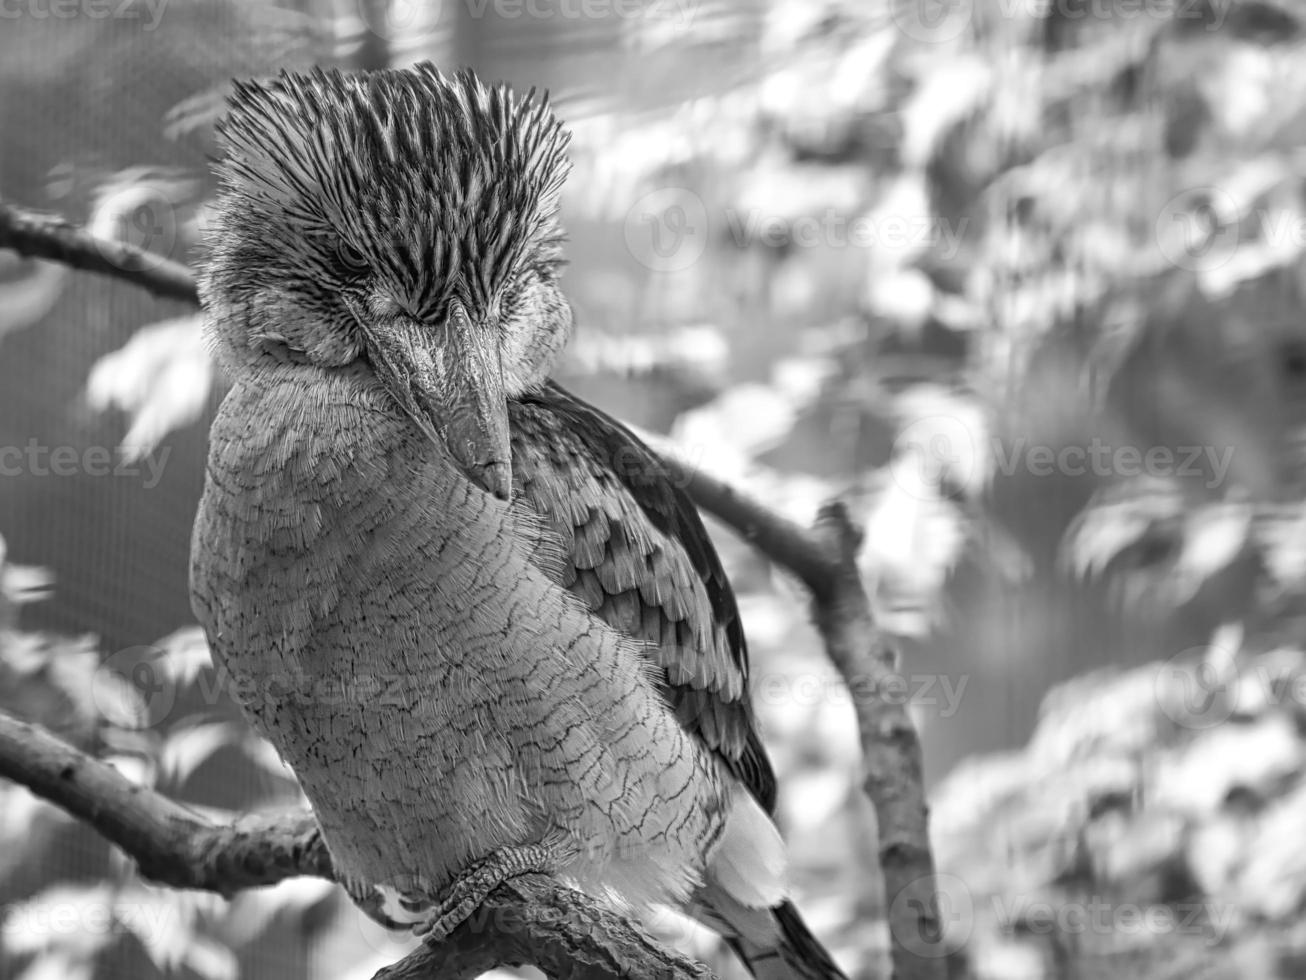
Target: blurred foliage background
{"x": 1022, "y": 281}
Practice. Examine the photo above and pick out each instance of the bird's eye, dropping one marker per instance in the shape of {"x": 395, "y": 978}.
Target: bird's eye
{"x": 349, "y": 260}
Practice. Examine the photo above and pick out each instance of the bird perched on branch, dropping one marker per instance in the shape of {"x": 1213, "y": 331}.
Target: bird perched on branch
{"x": 470, "y": 611}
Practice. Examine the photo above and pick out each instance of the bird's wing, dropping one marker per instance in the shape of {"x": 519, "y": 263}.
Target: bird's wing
{"x": 636, "y": 551}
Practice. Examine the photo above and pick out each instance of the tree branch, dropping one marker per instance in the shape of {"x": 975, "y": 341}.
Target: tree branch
{"x": 531, "y": 919}
{"x": 823, "y": 558}
{"x": 171, "y": 844}
{"x": 45, "y": 236}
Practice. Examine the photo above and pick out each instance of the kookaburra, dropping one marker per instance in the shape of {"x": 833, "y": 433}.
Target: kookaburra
{"x": 469, "y": 610}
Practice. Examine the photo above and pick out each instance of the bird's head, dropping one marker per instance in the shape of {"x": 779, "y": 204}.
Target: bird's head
{"x": 403, "y": 219}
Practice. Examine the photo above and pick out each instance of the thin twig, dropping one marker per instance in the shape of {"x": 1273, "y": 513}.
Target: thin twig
{"x": 785, "y": 542}
{"x": 47, "y": 236}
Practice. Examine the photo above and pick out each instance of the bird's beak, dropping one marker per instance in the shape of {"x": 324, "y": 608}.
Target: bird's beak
{"x": 449, "y": 381}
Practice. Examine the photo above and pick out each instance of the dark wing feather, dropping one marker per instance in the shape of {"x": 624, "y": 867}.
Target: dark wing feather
{"x": 638, "y": 555}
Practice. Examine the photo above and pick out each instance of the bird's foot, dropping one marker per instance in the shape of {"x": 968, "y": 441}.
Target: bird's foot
{"x": 473, "y": 886}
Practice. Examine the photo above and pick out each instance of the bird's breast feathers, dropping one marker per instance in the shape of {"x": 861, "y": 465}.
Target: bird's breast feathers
{"x": 385, "y": 626}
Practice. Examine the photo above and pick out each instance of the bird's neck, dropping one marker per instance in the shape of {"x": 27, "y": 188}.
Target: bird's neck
{"x": 334, "y": 442}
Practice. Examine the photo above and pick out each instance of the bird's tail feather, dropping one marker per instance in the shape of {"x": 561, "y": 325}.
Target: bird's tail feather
{"x": 795, "y": 953}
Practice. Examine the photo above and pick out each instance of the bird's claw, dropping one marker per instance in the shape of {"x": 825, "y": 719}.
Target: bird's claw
{"x": 470, "y": 890}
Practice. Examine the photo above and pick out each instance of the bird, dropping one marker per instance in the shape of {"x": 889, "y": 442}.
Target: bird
{"x": 475, "y": 615}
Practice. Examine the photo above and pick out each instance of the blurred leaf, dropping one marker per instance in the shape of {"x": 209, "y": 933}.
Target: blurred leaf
{"x": 59, "y": 965}
{"x": 29, "y": 288}
{"x": 186, "y": 655}
{"x": 913, "y": 540}
{"x": 22, "y": 584}
{"x": 76, "y": 920}
{"x": 1114, "y": 522}
{"x": 161, "y": 379}
{"x": 265, "y": 756}
{"x": 1213, "y": 537}
{"x": 138, "y": 768}
{"x": 187, "y": 747}
{"x": 1281, "y": 535}
{"x": 253, "y": 911}
{"x": 211, "y": 959}
{"x": 197, "y": 112}
{"x": 50, "y": 680}
{"x": 26, "y": 824}
{"x": 745, "y": 420}
{"x": 165, "y": 921}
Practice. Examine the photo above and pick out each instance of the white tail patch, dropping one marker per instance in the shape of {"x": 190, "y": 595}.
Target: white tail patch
{"x": 401, "y": 908}
{"x": 749, "y": 862}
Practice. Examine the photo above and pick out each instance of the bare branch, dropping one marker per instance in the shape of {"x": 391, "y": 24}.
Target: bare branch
{"x": 171, "y": 844}
{"x": 891, "y": 755}
{"x": 823, "y": 558}
{"x": 43, "y": 236}
{"x": 787, "y": 544}
{"x": 531, "y": 919}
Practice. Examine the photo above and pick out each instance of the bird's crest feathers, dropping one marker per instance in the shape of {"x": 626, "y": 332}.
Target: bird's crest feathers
{"x": 444, "y": 181}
